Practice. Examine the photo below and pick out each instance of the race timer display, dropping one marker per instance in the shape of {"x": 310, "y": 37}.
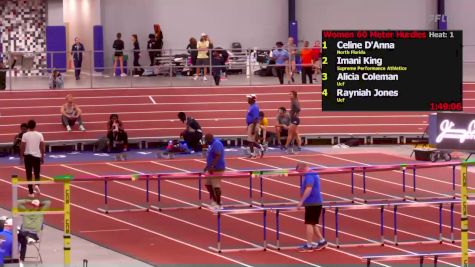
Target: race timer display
{"x": 392, "y": 70}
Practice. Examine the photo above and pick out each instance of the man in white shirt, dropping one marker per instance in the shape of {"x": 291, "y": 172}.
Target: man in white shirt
{"x": 32, "y": 153}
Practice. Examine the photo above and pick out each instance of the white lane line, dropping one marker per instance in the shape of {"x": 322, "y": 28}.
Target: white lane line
{"x": 151, "y": 99}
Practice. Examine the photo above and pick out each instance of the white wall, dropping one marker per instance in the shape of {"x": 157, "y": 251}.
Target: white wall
{"x": 55, "y": 13}
{"x": 80, "y": 16}
{"x": 314, "y": 16}
{"x": 460, "y": 16}
{"x": 253, "y": 23}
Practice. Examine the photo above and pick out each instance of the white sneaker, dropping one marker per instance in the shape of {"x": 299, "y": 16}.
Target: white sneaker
{"x": 30, "y": 240}
{"x": 123, "y": 75}
{"x": 204, "y": 78}
{"x": 68, "y": 128}
{"x": 195, "y": 77}
{"x": 37, "y": 189}
{"x": 81, "y": 127}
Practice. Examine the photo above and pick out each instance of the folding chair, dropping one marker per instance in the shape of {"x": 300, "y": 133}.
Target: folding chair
{"x": 36, "y": 244}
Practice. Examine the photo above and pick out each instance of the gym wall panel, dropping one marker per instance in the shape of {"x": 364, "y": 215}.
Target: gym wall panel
{"x": 460, "y": 16}
{"x": 315, "y": 15}
{"x": 56, "y": 47}
{"x": 253, "y": 23}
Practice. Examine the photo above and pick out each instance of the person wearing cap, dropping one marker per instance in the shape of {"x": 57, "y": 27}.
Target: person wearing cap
{"x": 252, "y": 121}
{"x": 281, "y": 57}
{"x": 32, "y": 153}
{"x": 70, "y": 113}
{"x": 203, "y": 57}
{"x": 311, "y": 199}
{"x": 215, "y": 167}
{"x": 7, "y": 237}
{"x": 32, "y": 223}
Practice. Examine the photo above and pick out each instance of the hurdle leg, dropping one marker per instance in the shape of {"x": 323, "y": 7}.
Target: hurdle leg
{"x": 452, "y": 205}
{"x": 147, "y": 191}
{"x": 453, "y": 179}
{"x": 199, "y": 190}
{"x": 337, "y": 241}
{"x": 368, "y": 262}
{"x": 352, "y": 181}
{"x": 436, "y": 258}
{"x": 404, "y": 180}
{"x": 250, "y": 190}
{"x": 219, "y": 232}
{"x": 395, "y": 225}
{"x": 421, "y": 261}
{"x": 440, "y": 223}
{"x": 261, "y": 190}
{"x": 277, "y": 230}
{"x": 382, "y": 225}
{"x": 414, "y": 179}
{"x": 264, "y": 224}
{"x": 106, "y": 198}
{"x": 364, "y": 180}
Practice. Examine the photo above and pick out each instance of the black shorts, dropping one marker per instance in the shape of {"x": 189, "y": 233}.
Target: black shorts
{"x": 295, "y": 120}
{"x": 118, "y": 54}
{"x": 312, "y": 214}
{"x": 284, "y": 132}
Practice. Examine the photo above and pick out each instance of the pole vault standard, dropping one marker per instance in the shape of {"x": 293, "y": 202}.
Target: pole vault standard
{"x": 66, "y": 211}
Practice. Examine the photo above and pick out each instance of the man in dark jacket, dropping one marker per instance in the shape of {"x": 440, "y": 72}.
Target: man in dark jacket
{"x": 76, "y": 52}
{"x": 152, "y": 46}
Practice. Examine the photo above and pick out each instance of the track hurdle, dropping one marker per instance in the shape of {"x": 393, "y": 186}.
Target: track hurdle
{"x": 66, "y": 211}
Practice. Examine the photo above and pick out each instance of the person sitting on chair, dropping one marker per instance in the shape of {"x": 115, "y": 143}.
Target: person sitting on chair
{"x": 56, "y": 80}
{"x": 192, "y": 133}
{"x": 116, "y": 133}
{"x": 17, "y": 139}
{"x": 70, "y": 113}
{"x": 32, "y": 223}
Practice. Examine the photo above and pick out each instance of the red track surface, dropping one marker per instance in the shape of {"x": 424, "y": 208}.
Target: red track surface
{"x": 184, "y": 235}
{"x": 152, "y": 112}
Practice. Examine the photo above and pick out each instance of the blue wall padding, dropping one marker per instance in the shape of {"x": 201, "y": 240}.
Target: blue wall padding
{"x": 98, "y": 33}
{"x": 56, "y": 42}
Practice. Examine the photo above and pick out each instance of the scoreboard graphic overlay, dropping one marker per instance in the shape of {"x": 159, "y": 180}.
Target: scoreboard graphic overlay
{"x": 391, "y": 70}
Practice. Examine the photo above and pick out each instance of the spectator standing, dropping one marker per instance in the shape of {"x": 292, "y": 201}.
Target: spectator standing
{"x": 311, "y": 199}
{"x": 294, "y": 122}
{"x": 70, "y": 114}
{"x": 281, "y": 57}
{"x": 77, "y": 51}
{"x": 252, "y": 121}
{"x": 203, "y": 57}
{"x": 317, "y": 53}
{"x": 193, "y": 51}
{"x": 136, "y": 45}
{"x": 217, "y": 65}
{"x": 152, "y": 48}
{"x": 215, "y": 167}
{"x": 56, "y": 80}
{"x": 291, "y": 67}
{"x": 118, "y": 46}
{"x": 192, "y": 133}
{"x": 17, "y": 139}
{"x": 32, "y": 153}
{"x": 306, "y": 55}
{"x": 159, "y": 39}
